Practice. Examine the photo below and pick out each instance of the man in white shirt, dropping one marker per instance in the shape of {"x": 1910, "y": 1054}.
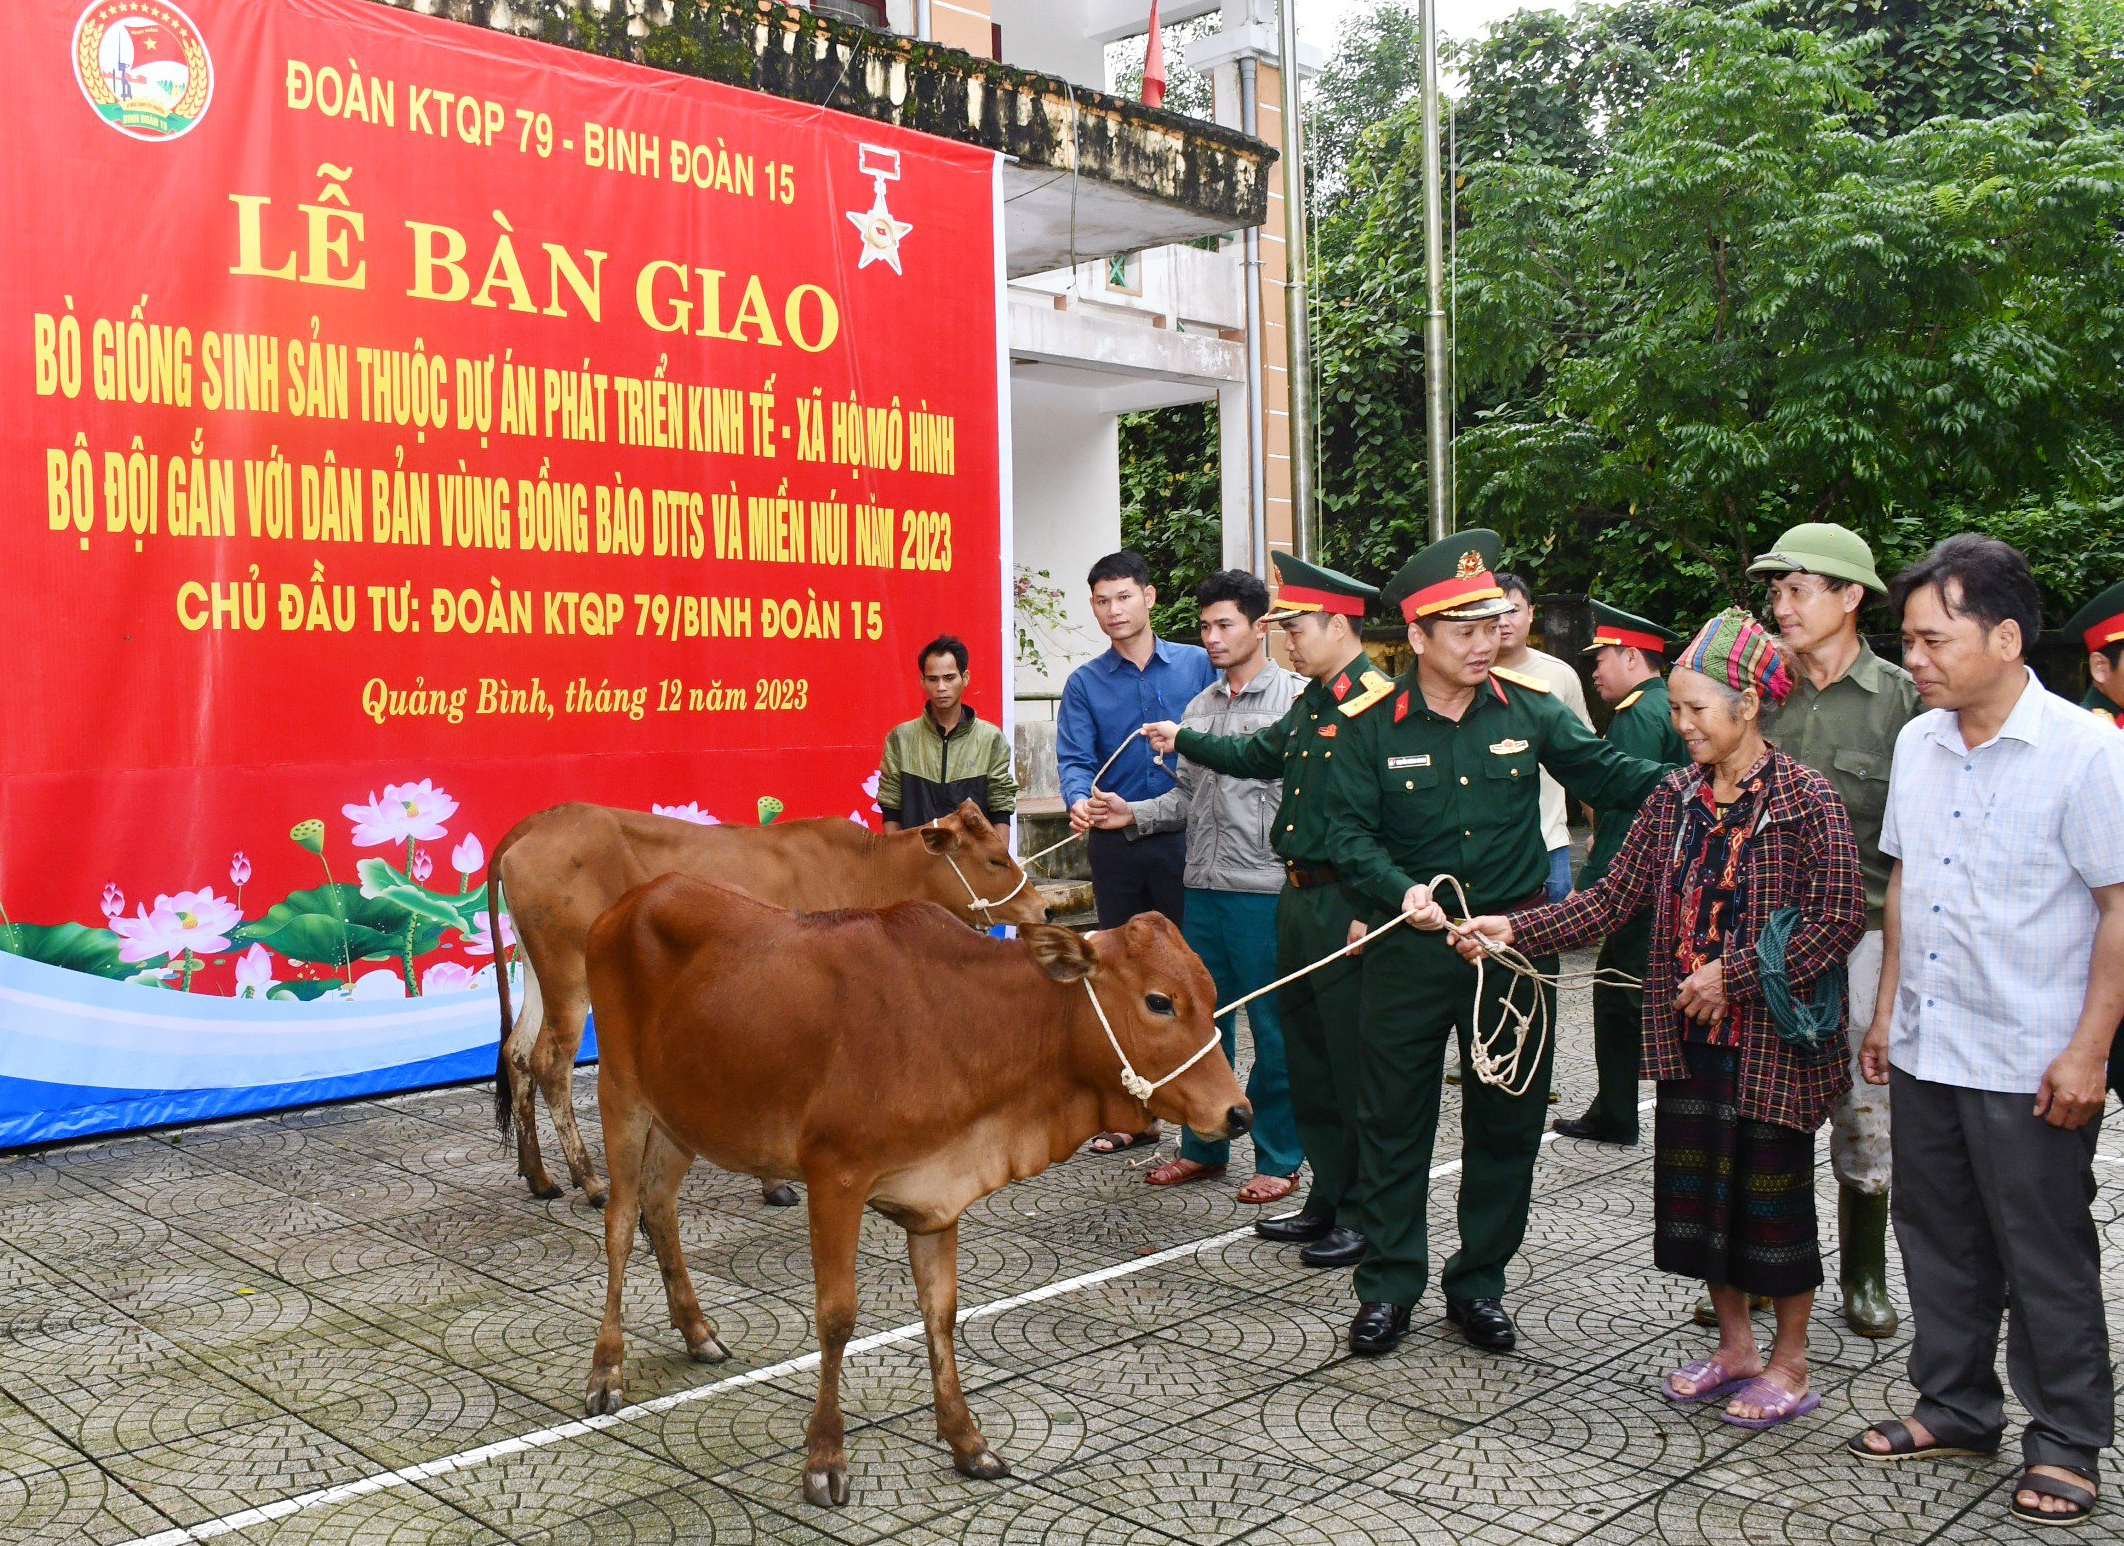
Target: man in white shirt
{"x": 1517, "y": 661}
{"x": 2001, "y": 987}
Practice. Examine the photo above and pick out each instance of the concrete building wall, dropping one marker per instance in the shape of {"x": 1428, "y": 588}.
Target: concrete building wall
{"x": 1047, "y": 36}
{"x": 1066, "y": 489}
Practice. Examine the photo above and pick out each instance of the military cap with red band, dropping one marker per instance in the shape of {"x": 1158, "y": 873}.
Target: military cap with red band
{"x": 2100, "y": 623}
{"x": 1303, "y": 587}
{"x": 1613, "y": 626}
{"x": 1454, "y": 579}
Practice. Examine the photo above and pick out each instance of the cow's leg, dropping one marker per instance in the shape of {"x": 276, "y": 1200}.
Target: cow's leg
{"x": 935, "y": 1259}
{"x": 662, "y": 1170}
{"x": 627, "y": 1126}
{"x": 553, "y": 1061}
{"x": 523, "y": 1086}
{"x": 836, "y": 1221}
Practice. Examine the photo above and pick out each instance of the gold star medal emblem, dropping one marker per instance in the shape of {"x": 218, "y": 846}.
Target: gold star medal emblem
{"x": 880, "y": 229}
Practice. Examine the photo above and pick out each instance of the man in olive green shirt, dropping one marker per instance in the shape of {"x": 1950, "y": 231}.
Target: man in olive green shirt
{"x": 1842, "y": 718}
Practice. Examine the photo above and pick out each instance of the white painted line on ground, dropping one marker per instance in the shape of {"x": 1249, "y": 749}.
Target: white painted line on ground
{"x": 406, "y": 1476}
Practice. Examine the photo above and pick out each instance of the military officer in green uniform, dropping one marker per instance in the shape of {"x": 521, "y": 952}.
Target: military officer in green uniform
{"x": 1442, "y": 779}
{"x": 1321, "y": 612}
{"x": 1629, "y": 654}
{"x": 2100, "y": 627}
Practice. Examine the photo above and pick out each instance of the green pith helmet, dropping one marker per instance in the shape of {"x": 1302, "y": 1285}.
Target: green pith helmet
{"x": 1614, "y": 626}
{"x": 1302, "y": 587}
{"x": 2100, "y": 623}
{"x": 1824, "y": 548}
{"x": 1455, "y": 578}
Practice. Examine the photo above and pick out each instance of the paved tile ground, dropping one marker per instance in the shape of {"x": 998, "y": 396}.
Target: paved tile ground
{"x": 198, "y": 1323}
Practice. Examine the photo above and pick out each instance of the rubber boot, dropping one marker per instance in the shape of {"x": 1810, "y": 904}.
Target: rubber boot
{"x": 1862, "y": 1237}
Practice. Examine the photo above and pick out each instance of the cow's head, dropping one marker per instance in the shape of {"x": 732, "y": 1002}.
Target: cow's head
{"x": 1157, "y": 999}
{"x": 972, "y": 866}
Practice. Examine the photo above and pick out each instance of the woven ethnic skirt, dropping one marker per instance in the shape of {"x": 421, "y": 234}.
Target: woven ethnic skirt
{"x": 1733, "y": 1200}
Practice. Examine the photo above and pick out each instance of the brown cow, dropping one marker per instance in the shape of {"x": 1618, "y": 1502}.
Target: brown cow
{"x": 893, "y": 1060}
{"x": 558, "y": 869}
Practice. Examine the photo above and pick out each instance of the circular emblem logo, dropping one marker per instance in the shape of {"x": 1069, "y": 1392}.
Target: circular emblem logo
{"x": 143, "y": 67}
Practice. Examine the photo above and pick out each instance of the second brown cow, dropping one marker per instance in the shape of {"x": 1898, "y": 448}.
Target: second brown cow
{"x": 558, "y": 869}
{"x": 895, "y": 1061}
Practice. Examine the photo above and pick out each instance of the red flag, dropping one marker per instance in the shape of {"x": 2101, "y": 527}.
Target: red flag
{"x": 1154, "y": 62}
{"x": 153, "y": 43}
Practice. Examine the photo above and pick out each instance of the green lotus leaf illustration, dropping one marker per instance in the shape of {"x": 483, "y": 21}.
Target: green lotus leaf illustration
{"x": 331, "y": 923}
{"x": 380, "y": 881}
{"x": 74, "y": 946}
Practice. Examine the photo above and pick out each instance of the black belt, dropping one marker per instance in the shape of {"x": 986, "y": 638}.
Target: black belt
{"x": 1305, "y": 876}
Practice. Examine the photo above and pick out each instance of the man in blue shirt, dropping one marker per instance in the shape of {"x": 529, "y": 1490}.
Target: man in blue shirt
{"x": 1141, "y": 679}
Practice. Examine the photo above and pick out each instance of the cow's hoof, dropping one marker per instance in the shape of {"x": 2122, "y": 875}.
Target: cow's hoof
{"x": 602, "y": 1398}
{"x": 783, "y": 1196}
{"x": 547, "y": 1192}
{"x": 596, "y": 1195}
{"x": 987, "y": 1466}
{"x": 707, "y": 1348}
{"x": 827, "y": 1487}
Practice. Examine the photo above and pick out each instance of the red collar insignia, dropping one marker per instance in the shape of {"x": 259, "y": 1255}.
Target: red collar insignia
{"x": 1341, "y": 688}
{"x": 1401, "y": 708}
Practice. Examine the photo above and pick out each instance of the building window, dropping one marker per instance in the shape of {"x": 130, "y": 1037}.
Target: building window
{"x": 862, "y": 12}
{"x": 1124, "y": 271}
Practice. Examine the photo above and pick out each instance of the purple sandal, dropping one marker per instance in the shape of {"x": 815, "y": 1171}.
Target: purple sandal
{"x": 1779, "y": 1405}
{"x": 1697, "y": 1372}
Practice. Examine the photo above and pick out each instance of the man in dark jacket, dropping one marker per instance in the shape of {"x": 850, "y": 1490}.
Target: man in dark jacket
{"x": 945, "y": 754}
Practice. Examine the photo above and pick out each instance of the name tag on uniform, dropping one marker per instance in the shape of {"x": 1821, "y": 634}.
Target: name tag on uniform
{"x": 1422, "y": 760}
{"x": 1507, "y": 748}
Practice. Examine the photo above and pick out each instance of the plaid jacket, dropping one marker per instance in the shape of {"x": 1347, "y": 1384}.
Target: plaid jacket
{"x": 1804, "y": 856}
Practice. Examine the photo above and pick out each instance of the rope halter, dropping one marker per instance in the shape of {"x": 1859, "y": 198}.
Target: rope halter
{"x": 1138, "y": 1087}
{"x": 976, "y": 900}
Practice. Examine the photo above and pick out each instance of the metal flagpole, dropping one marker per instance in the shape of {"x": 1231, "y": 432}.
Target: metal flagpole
{"x": 1437, "y": 368}
{"x": 1298, "y": 378}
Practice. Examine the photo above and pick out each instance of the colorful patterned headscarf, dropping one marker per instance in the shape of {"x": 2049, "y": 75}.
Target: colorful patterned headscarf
{"x": 1736, "y": 649}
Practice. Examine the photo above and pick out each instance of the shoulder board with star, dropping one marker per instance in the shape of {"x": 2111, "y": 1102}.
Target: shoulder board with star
{"x": 2108, "y": 717}
{"x": 1639, "y": 693}
{"x": 1376, "y": 688}
{"x": 1519, "y": 679}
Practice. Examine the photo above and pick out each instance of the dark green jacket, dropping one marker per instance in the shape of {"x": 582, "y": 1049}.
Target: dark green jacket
{"x": 1300, "y": 749}
{"x": 1416, "y": 794}
{"x": 925, "y": 773}
{"x": 1642, "y": 727}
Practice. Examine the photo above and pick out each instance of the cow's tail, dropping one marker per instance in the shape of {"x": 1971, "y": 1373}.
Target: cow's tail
{"x": 504, "y": 1075}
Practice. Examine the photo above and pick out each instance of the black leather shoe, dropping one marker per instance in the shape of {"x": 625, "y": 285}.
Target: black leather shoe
{"x": 1377, "y": 1328}
{"x": 1591, "y": 1131}
{"x": 1294, "y": 1228}
{"x": 1483, "y": 1322}
{"x": 1339, "y": 1247}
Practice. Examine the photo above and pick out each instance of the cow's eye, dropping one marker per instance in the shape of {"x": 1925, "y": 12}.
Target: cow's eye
{"x": 1157, "y": 1003}
{"x": 998, "y": 864}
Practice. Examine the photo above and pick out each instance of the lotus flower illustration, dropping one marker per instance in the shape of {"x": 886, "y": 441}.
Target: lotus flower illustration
{"x": 480, "y": 942}
{"x": 448, "y": 977}
{"x": 239, "y": 870}
{"x": 254, "y": 973}
{"x": 113, "y": 900}
{"x": 407, "y": 813}
{"x": 195, "y": 921}
{"x": 690, "y": 811}
{"x": 423, "y": 866}
{"x": 468, "y": 857}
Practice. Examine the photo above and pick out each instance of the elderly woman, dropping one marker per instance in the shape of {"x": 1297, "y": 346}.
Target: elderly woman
{"x": 1719, "y": 851}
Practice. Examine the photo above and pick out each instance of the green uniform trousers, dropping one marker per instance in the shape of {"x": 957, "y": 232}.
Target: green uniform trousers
{"x": 1320, "y": 1039}
{"x": 1419, "y": 994}
{"x": 1618, "y": 1030}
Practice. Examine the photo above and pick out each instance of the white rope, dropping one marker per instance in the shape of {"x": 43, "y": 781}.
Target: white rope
{"x": 1512, "y": 1071}
{"x": 1078, "y": 837}
{"x": 1136, "y": 1085}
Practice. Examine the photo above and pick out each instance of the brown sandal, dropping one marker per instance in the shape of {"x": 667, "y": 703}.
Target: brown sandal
{"x": 1263, "y": 1189}
{"x": 1180, "y": 1171}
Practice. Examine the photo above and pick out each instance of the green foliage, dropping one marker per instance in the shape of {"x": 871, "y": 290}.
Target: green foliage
{"x": 71, "y": 945}
{"x": 1718, "y": 273}
{"x": 1171, "y": 507}
{"x": 336, "y": 923}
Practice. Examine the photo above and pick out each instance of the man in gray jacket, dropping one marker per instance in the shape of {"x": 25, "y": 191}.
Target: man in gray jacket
{"x": 1232, "y": 876}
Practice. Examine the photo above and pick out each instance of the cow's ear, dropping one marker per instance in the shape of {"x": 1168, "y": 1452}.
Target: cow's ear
{"x": 1063, "y": 954}
{"x": 940, "y": 839}
{"x": 975, "y": 818}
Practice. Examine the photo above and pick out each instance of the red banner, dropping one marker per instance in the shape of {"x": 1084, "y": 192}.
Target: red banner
{"x": 410, "y": 426}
